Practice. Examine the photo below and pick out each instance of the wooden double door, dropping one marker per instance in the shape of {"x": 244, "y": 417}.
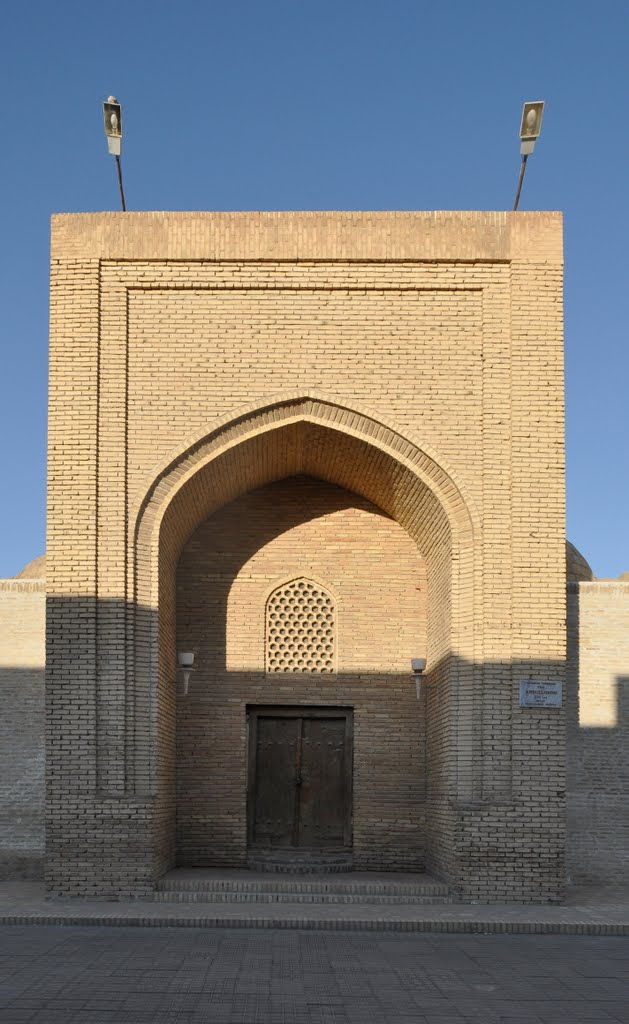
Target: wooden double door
{"x": 300, "y": 778}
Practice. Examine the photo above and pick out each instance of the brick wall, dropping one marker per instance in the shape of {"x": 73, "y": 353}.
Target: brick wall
{"x": 22, "y": 654}
{"x": 598, "y": 731}
{"x": 412, "y": 358}
{"x": 598, "y": 621}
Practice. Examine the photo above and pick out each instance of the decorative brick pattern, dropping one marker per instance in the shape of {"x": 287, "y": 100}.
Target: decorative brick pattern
{"x": 300, "y": 629}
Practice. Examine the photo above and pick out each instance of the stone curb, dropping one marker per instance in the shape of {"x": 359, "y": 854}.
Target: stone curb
{"x": 315, "y": 924}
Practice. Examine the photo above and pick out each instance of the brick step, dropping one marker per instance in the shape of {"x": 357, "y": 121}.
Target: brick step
{"x": 300, "y": 897}
{"x": 251, "y": 887}
{"x": 291, "y": 862}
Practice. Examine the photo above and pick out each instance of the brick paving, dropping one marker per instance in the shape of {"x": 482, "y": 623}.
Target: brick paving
{"x": 86, "y": 975}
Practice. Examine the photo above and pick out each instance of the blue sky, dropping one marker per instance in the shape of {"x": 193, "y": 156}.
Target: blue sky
{"x": 346, "y": 105}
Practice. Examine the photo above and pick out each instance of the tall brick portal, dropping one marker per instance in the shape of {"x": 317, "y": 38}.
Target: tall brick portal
{"x": 307, "y": 447}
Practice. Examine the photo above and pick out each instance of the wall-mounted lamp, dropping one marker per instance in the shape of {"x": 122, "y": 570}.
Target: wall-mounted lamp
{"x": 418, "y": 666}
{"x": 186, "y": 661}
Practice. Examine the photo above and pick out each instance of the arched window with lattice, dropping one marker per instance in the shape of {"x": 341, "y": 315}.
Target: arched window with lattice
{"x": 300, "y": 628}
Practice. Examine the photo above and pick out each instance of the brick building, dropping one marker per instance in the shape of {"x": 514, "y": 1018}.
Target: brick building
{"x": 308, "y": 448}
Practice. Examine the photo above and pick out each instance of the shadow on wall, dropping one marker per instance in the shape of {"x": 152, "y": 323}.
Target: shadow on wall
{"x": 453, "y": 777}
{"x": 597, "y": 769}
{"x": 104, "y": 726}
{"x": 300, "y": 529}
{"x": 598, "y": 784}
{"x": 22, "y": 780}
{"x": 597, "y": 722}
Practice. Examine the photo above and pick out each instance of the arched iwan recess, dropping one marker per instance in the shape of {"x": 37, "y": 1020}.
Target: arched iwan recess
{"x": 355, "y": 450}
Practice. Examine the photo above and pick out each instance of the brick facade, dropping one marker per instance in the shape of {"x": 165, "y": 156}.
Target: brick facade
{"x": 413, "y": 361}
{"x": 597, "y": 674}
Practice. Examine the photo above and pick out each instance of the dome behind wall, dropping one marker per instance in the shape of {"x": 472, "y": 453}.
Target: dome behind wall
{"x": 35, "y": 570}
{"x": 577, "y": 568}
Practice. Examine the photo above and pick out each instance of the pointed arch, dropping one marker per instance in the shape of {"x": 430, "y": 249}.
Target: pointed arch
{"x": 351, "y": 447}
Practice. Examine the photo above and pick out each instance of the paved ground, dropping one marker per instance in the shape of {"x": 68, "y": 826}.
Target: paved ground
{"x": 87, "y": 975}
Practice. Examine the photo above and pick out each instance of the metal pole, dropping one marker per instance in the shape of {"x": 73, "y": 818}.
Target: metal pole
{"x": 520, "y": 180}
{"x": 124, "y": 205}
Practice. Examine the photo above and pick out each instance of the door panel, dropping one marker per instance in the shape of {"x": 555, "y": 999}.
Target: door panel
{"x": 322, "y": 802}
{"x": 277, "y": 750}
{"x": 300, "y": 778}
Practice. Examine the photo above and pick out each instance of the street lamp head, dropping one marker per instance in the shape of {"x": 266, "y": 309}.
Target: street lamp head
{"x": 531, "y": 126}
{"x": 112, "y": 116}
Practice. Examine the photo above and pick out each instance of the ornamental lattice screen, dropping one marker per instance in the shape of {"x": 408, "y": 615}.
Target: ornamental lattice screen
{"x": 300, "y": 628}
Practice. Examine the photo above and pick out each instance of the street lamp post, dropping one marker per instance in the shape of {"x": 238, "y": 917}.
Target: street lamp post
{"x": 530, "y": 129}
{"x": 112, "y": 114}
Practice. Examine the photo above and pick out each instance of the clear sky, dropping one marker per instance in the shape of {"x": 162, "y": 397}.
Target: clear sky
{"x": 356, "y": 104}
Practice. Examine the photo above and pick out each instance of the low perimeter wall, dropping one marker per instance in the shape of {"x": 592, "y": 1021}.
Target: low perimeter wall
{"x": 22, "y": 661}
{"x": 598, "y": 731}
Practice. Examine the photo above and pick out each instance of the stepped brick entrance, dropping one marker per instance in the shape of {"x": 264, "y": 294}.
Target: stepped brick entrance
{"x": 300, "y": 779}
{"x": 233, "y": 886}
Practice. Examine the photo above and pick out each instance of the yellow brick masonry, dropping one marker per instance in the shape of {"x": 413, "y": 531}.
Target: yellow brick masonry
{"x": 22, "y": 661}
{"x": 598, "y": 660}
{"x": 377, "y": 579}
{"x": 598, "y": 727}
{"x": 413, "y": 358}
